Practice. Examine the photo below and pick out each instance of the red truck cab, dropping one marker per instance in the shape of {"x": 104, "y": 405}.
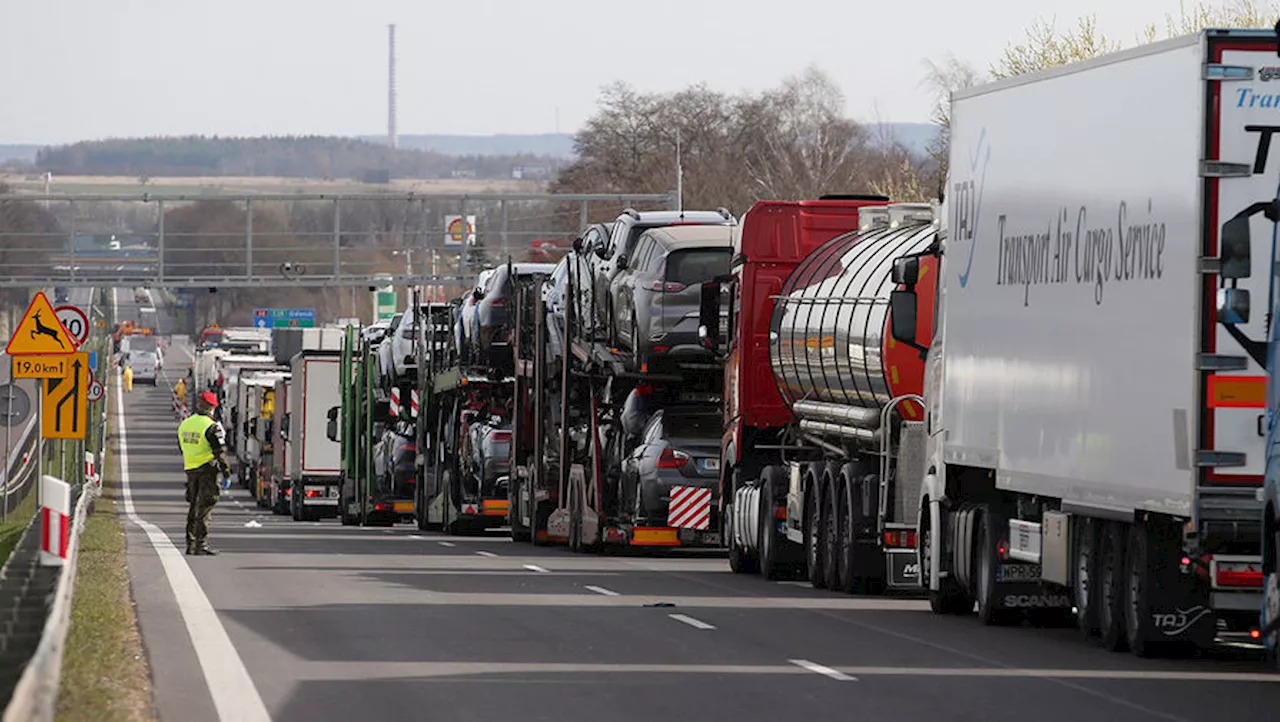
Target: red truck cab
{"x": 773, "y": 238}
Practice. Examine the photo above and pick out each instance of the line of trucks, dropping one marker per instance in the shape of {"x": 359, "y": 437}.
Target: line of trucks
{"x": 1048, "y": 398}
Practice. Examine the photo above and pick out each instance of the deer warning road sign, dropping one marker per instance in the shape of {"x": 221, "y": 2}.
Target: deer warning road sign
{"x": 40, "y": 333}
{"x": 64, "y": 406}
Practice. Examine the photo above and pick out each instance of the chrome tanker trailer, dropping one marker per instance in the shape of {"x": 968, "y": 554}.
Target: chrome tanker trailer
{"x": 814, "y": 487}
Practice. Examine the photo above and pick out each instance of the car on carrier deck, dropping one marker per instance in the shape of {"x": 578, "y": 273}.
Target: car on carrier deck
{"x": 465, "y": 331}
{"x": 493, "y": 308}
{"x": 658, "y": 296}
{"x": 606, "y": 258}
{"x": 386, "y": 367}
{"x": 394, "y": 457}
{"x": 679, "y": 446}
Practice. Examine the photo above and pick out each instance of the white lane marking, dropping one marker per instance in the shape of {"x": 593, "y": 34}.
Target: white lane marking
{"x": 234, "y": 695}
{"x": 823, "y": 670}
{"x": 487, "y": 554}
{"x": 602, "y": 590}
{"x": 447, "y": 544}
{"x": 536, "y": 568}
{"x": 695, "y": 623}
{"x": 415, "y": 536}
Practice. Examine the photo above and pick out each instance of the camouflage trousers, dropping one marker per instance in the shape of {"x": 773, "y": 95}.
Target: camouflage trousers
{"x": 202, "y": 496}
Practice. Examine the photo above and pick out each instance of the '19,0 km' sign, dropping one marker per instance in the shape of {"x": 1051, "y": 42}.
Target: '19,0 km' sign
{"x": 75, "y": 321}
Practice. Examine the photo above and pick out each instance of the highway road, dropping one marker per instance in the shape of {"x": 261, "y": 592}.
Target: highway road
{"x": 315, "y": 621}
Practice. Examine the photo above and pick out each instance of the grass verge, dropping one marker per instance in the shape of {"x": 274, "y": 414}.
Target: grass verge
{"x": 105, "y": 676}
{"x": 14, "y": 524}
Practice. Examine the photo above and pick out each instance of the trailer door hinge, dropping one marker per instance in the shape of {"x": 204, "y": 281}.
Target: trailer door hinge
{"x": 1222, "y": 362}
{"x": 1225, "y": 169}
{"x": 1224, "y": 72}
{"x": 1220, "y": 458}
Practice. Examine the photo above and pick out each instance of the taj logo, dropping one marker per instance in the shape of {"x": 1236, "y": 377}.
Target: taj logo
{"x": 966, "y": 203}
{"x": 1173, "y": 624}
{"x": 1268, "y": 73}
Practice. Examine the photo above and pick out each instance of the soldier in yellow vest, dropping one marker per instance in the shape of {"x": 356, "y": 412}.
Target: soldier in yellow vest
{"x": 203, "y": 441}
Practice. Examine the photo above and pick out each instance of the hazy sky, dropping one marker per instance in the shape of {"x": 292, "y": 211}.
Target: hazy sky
{"x": 78, "y": 69}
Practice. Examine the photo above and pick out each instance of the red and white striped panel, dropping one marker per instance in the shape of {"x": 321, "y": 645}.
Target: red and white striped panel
{"x": 395, "y": 400}
{"x": 55, "y": 520}
{"x": 689, "y": 508}
{"x": 413, "y": 403}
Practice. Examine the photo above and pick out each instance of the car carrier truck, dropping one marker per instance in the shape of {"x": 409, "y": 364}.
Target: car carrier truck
{"x": 570, "y": 438}
{"x": 1094, "y": 374}
{"x": 457, "y": 489}
{"x": 357, "y": 424}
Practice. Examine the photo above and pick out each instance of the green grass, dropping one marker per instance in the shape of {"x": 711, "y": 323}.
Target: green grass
{"x": 14, "y": 524}
{"x": 105, "y": 675}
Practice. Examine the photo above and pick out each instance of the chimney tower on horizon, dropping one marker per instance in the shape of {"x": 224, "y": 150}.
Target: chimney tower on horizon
{"x": 392, "y": 137}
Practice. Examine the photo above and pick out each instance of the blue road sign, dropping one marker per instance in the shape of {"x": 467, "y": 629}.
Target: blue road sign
{"x": 93, "y": 360}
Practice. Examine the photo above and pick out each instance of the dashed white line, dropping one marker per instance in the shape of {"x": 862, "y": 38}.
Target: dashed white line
{"x": 487, "y": 554}
{"x": 447, "y": 544}
{"x": 602, "y": 590}
{"x": 695, "y": 623}
{"x": 823, "y": 670}
{"x": 536, "y": 568}
{"x": 415, "y": 536}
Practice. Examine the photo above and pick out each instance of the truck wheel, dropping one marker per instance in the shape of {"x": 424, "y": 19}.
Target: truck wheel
{"x": 1271, "y": 598}
{"x": 1144, "y": 583}
{"x": 1086, "y": 576}
{"x": 863, "y": 564}
{"x": 950, "y": 599}
{"x": 295, "y": 505}
{"x": 448, "y": 526}
{"x": 740, "y": 560}
{"x": 985, "y": 578}
{"x": 575, "y": 522}
{"x": 420, "y": 505}
{"x": 815, "y": 560}
{"x": 1111, "y": 612}
{"x": 519, "y": 532}
{"x": 537, "y": 522}
{"x": 770, "y": 561}
{"x": 831, "y": 537}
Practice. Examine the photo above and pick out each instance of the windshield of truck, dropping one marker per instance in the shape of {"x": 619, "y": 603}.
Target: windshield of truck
{"x": 697, "y": 265}
{"x": 210, "y": 339}
{"x": 142, "y": 343}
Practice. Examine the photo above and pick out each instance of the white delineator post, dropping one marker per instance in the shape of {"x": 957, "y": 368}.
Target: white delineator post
{"x": 55, "y": 521}
{"x": 91, "y": 469}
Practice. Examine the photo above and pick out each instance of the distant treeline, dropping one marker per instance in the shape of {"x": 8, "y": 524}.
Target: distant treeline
{"x": 283, "y": 156}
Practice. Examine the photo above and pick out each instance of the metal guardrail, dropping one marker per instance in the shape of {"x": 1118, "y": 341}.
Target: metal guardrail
{"x": 35, "y": 698}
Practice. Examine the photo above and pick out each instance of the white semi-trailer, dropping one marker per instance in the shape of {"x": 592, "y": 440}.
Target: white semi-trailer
{"x": 1093, "y": 382}
{"x": 315, "y": 460}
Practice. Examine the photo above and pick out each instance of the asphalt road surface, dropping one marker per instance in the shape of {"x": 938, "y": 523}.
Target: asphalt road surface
{"x": 315, "y": 621}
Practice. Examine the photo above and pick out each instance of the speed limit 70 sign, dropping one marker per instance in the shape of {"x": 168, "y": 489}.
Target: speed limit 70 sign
{"x": 75, "y": 321}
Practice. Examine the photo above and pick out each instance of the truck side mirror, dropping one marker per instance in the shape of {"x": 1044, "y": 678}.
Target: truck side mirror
{"x": 906, "y": 271}
{"x": 1235, "y": 249}
{"x": 1233, "y": 305}
{"x": 602, "y": 252}
{"x": 577, "y": 245}
{"x": 622, "y": 263}
{"x": 331, "y": 428}
{"x": 902, "y": 309}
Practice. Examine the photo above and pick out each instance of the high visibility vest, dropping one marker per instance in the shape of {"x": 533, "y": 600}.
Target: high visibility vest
{"x": 196, "y": 451}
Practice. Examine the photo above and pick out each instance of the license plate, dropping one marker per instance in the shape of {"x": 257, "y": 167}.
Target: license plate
{"x": 711, "y": 464}
{"x": 1018, "y": 573}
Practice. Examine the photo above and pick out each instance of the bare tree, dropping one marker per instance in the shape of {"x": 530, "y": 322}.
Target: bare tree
{"x": 1046, "y": 48}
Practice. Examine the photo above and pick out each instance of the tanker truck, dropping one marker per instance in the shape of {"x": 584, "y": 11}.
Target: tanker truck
{"x": 810, "y": 481}
{"x": 1095, "y": 381}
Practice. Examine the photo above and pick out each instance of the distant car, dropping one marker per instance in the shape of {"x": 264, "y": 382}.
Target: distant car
{"x": 61, "y": 294}
{"x": 145, "y": 365}
{"x": 679, "y": 446}
{"x": 394, "y": 457}
{"x": 658, "y": 296}
{"x": 386, "y": 368}
{"x": 493, "y": 309}
{"x": 608, "y": 259}
{"x": 466, "y": 330}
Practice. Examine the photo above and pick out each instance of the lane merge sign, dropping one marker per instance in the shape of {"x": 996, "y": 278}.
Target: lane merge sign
{"x": 64, "y": 410}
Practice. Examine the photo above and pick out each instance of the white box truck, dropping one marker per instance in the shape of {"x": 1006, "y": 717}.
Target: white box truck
{"x": 315, "y": 460}
{"x": 1093, "y": 381}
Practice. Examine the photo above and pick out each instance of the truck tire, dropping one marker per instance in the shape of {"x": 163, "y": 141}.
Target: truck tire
{"x": 984, "y": 582}
{"x": 741, "y": 561}
{"x": 772, "y": 560}
{"x": 1085, "y": 577}
{"x": 815, "y": 523}
{"x": 1271, "y": 597}
{"x": 519, "y": 532}
{"x": 1111, "y": 582}
{"x": 831, "y": 536}
{"x": 949, "y": 599}
{"x": 863, "y": 563}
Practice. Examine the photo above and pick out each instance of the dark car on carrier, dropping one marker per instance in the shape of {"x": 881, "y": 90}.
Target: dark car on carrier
{"x": 494, "y": 315}
{"x": 679, "y": 446}
{"x": 658, "y": 296}
{"x": 608, "y": 258}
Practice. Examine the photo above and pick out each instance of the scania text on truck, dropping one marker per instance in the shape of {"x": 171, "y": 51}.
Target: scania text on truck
{"x": 1094, "y": 431}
